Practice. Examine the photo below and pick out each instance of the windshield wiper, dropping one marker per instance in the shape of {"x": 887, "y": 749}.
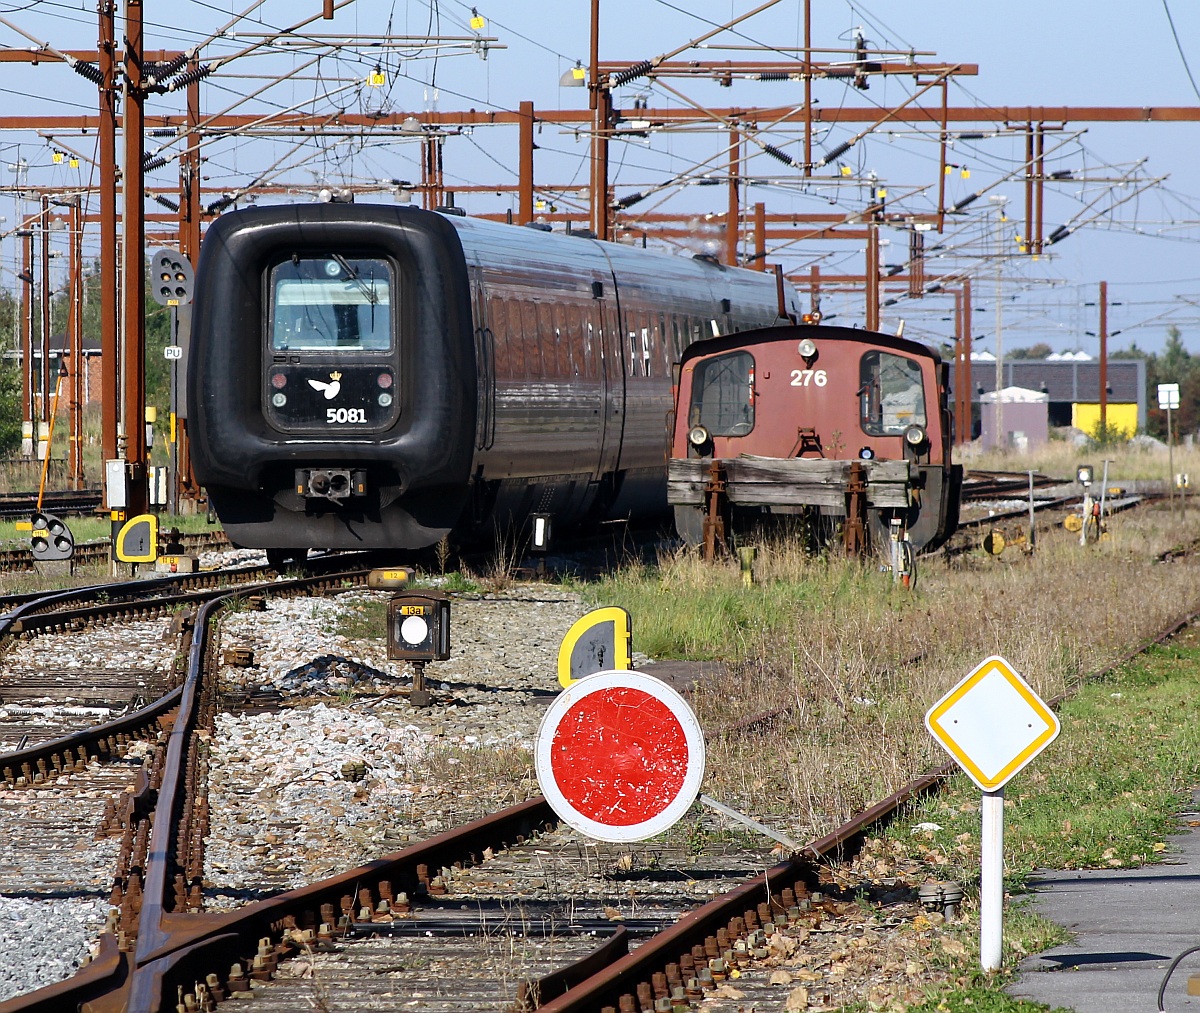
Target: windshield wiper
{"x": 367, "y": 290}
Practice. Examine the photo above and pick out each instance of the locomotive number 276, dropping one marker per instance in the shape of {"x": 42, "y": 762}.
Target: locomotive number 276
{"x": 333, "y": 415}
{"x": 804, "y": 377}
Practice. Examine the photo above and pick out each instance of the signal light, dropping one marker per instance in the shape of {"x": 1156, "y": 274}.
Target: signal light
{"x": 175, "y": 277}
{"x": 50, "y": 538}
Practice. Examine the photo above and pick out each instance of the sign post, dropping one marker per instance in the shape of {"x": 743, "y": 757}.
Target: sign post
{"x": 993, "y": 724}
{"x": 1168, "y": 398}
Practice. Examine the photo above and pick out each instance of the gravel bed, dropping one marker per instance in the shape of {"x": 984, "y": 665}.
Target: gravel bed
{"x": 117, "y": 647}
{"x": 47, "y": 843}
{"x": 45, "y": 941}
{"x": 343, "y": 769}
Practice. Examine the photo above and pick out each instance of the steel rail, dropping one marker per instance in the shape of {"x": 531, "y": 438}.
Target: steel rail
{"x": 100, "y": 550}
{"x": 177, "y": 952}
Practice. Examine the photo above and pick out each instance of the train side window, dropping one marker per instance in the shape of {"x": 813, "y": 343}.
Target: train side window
{"x": 891, "y": 393}
{"x": 564, "y": 336}
{"x": 530, "y": 340}
{"x": 723, "y": 394}
{"x": 509, "y": 337}
{"x": 335, "y": 303}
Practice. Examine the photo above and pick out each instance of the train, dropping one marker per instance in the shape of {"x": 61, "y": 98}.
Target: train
{"x": 846, "y": 427}
{"x": 381, "y": 376}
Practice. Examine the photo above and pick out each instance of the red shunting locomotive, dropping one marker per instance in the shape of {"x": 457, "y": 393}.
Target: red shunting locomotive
{"x": 834, "y": 423}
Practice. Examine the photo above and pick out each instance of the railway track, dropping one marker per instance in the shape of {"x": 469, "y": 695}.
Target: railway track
{"x": 100, "y": 551}
{"x": 985, "y": 485}
{"x": 379, "y": 918}
{"x": 74, "y": 503}
{"x": 470, "y": 918}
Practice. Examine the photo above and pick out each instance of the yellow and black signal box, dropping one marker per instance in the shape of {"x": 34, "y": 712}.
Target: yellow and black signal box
{"x": 419, "y": 627}
{"x": 137, "y": 539}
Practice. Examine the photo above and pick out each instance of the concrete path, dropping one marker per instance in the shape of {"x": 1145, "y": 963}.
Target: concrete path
{"x": 1129, "y": 924}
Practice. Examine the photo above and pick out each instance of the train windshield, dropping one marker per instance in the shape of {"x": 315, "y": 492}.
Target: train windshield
{"x": 891, "y": 394}
{"x": 723, "y": 395}
{"x": 331, "y": 303}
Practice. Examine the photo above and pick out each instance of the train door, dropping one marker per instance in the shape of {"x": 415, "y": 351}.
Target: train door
{"x": 607, "y": 342}
{"x": 485, "y": 362}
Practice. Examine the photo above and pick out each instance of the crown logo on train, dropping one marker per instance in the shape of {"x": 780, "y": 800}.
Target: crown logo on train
{"x": 335, "y": 375}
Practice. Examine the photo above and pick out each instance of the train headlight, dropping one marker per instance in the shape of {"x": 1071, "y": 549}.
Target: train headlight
{"x": 332, "y": 268}
{"x": 808, "y": 350}
{"x": 867, "y": 454}
{"x": 914, "y": 435}
{"x": 279, "y": 400}
{"x": 698, "y": 436}
{"x": 279, "y": 380}
{"x": 385, "y": 399}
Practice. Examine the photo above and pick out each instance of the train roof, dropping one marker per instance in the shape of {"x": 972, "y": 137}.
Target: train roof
{"x": 647, "y": 268}
{"x": 797, "y": 332}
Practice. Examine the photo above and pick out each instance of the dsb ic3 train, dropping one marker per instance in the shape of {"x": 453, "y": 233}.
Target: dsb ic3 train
{"x": 368, "y": 376}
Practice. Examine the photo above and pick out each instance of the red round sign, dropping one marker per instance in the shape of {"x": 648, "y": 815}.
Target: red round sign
{"x": 620, "y": 756}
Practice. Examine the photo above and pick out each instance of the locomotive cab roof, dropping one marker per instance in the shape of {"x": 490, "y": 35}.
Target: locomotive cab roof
{"x": 797, "y": 332}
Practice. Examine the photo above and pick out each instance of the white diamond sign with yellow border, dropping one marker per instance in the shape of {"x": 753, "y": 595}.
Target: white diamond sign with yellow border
{"x": 992, "y": 723}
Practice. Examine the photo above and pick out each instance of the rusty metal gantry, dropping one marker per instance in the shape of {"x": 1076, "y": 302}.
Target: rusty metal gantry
{"x": 607, "y": 216}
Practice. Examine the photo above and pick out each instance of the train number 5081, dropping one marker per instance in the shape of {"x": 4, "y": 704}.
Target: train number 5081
{"x": 804, "y": 377}
{"x": 343, "y": 415}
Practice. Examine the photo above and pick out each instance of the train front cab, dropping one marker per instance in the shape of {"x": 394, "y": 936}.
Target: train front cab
{"x": 331, "y": 377}
{"x": 785, "y": 409}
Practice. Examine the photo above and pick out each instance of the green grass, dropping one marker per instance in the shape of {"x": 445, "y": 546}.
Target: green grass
{"x": 684, "y": 608}
{"x": 978, "y": 1000}
{"x": 365, "y": 620}
{"x": 1104, "y": 794}
{"x": 92, "y": 529}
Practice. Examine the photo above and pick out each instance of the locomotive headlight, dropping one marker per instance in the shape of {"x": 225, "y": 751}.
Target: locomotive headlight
{"x": 279, "y": 400}
{"x": 914, "y": 435}
{"x": 867, "y": 454}
{"x": 698, "y": 436}
{"x": 332, "y": 268}
{"x": 385, "y": 399}
{"x": 807, "y": 349}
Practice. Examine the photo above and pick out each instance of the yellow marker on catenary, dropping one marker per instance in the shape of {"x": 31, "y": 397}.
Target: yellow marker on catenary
{"x": 601, "y": 641}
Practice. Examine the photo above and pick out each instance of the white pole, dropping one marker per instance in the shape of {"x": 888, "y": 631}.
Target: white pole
{"x": 991, "y": 889}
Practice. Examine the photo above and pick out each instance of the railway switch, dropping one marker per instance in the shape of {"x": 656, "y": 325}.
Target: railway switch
{"x": 50, "y": 538}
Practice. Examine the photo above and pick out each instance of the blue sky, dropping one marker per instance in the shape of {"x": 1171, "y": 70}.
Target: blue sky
{"x": 1076, "y": 53}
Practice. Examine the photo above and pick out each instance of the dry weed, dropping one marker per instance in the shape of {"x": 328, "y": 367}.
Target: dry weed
{"x": 856, "y": 674}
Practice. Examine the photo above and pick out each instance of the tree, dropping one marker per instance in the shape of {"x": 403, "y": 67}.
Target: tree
{"x": 1038, "y": 351}
{"x": 11, "y": 413}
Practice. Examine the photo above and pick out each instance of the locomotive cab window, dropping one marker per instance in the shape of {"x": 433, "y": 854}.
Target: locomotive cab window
{"x": 723, "y": 395}
{"x": 331, "y": 303}
{"x": 891, "y": 394}
{"x": 331, "y": 345}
